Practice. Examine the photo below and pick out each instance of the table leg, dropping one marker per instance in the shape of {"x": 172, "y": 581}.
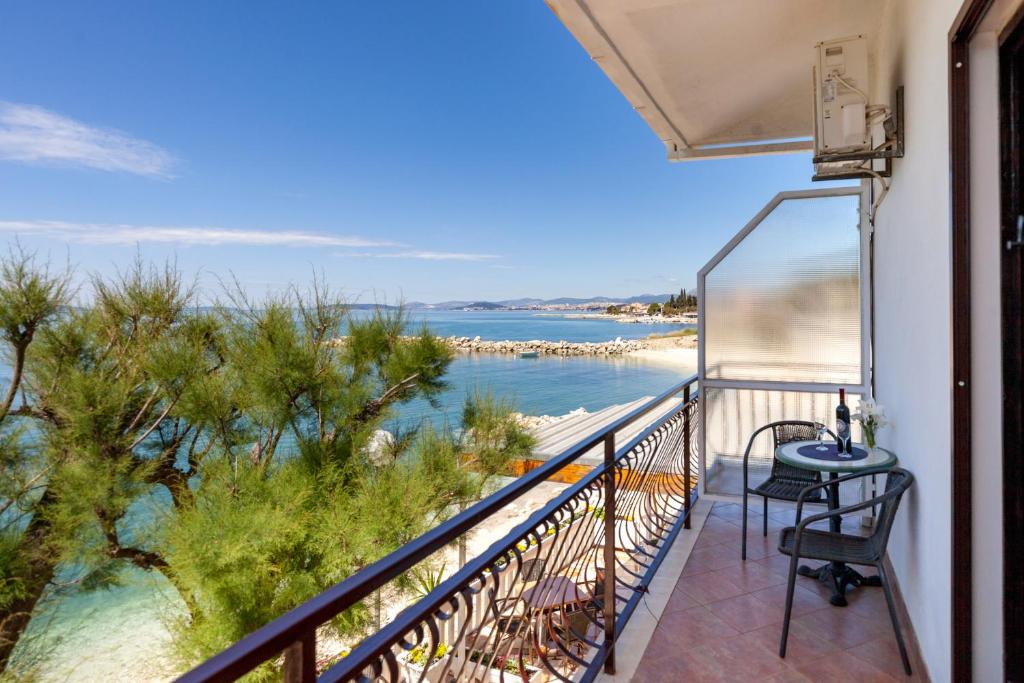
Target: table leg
{"x": 835, "y": 522}
{"x": 837, "y": 575}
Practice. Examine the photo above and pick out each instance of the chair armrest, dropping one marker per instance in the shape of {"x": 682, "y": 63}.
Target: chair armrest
{"x": 838, "y": 511}
{"x": 499, "y": 607}
{"x": 801, "y": 526}
{"x": 847, "y": 477}
{"x": 845, "y": 510}
{"x": 746, "y": 453}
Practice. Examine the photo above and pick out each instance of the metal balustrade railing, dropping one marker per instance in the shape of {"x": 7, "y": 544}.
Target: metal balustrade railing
{"x": 544, "y": 603}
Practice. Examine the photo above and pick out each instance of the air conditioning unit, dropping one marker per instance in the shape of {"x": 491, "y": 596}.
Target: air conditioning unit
{"x": 841, "y": 106}
{"x": 852, "y": 135}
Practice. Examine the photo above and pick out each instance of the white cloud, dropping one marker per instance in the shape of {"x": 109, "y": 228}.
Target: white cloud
{"x": 100, "y": 233}
{"x": 35, "y": 135}
{"x": 424, "y": 255}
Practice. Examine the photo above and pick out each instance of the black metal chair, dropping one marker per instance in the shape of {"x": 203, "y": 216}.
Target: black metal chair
{"x": 785, "y": 482}
{"x": 596, "y": 602}
{"x": 801, "y": 541}
{"x": 506, "y": 628}
{"x": 576, "y": 630}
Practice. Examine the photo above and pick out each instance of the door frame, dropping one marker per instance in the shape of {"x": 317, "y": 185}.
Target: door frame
{"x": 1011, "y": 109}
{"x": 970, "y": 18}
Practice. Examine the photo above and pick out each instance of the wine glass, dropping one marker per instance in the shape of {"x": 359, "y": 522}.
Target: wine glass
{"x": 820, "y": 428}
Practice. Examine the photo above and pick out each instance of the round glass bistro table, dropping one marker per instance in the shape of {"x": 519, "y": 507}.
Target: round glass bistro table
{"x": 804, "y": 454}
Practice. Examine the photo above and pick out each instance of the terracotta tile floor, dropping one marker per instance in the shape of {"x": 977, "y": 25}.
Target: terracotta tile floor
{"x": 724, "y": 618}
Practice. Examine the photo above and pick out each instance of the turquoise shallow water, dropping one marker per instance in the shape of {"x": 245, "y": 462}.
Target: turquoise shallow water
{"x": 120, "y": 634}
{"x": 548, "y": 385}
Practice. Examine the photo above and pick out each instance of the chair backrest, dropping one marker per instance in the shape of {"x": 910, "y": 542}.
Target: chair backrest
{"x": 897, "y": 481}
{"x": 598, "y": 589}
{"x": 794, "y": 430}
{"x": 576, "y": 625}
{"x": 533, "y": 570}
{"x": 783, "y": 431}
{"x": 786, "y": 432}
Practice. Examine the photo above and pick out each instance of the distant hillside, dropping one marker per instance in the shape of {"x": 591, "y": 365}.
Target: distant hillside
{"x": 485, "y": 306}
{"x": 639, "y": 299}
{"x": 540, "y": 303}
{"x": 372, "y": 307}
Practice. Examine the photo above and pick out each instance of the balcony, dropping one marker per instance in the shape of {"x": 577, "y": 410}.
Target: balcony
{"x": 628, "y": 567}
{"x": 627, "y": 570}
{"x": 723, "y": 617}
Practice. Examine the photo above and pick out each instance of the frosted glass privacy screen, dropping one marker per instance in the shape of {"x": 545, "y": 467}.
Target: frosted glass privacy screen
{"x": 784, "y": 305}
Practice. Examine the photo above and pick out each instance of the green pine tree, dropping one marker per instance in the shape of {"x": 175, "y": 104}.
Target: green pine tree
{"x": 251, "y": 433}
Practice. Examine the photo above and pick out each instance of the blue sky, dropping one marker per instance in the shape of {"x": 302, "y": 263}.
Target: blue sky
{"x": 424, "y": 151}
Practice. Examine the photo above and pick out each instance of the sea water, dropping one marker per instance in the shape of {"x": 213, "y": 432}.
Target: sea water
{"x": 121, "y": 633}
{"x": 546, "y": 385}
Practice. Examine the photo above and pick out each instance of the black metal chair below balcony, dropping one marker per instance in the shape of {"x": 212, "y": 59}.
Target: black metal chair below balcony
{"x": 577, "y": 631}
{"x": 785, "y": 482}
{"x": 505, "y": 629}
{"x": 801, "y": 541}
{"x": 533, "y": 570}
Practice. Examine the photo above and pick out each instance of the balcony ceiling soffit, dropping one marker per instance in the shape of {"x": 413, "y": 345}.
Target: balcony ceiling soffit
{"x": 717, "y": 77}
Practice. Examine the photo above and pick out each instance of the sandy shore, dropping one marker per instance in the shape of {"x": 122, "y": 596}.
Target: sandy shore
{"x": 685, "y": 359}
{"x": 680, "y": 352}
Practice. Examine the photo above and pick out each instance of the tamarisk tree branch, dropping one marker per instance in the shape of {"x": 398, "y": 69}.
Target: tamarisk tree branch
{"x": 374, "y": 408}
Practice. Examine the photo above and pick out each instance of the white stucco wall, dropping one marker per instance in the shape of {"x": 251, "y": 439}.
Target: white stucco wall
{"x": 912, "y": 313}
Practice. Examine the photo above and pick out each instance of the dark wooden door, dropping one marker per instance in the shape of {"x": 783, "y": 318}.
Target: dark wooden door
{"x": 1011, "y": 64}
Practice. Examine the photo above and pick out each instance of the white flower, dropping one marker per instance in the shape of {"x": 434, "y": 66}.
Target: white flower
{"x": 871, "y": 414}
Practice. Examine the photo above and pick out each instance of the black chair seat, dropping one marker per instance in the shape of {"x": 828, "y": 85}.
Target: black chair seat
{"x": 787, "y": 489}
{"x": 782, "y": 470}
{"x": 825, "y": 545}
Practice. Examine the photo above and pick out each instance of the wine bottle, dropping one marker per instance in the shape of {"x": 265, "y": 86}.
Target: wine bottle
{"x": 843, "y": 444}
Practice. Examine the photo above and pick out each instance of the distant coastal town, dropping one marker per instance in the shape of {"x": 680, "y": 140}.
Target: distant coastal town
{"x": 681, "y": 307}
{"x": 632, "y": 314}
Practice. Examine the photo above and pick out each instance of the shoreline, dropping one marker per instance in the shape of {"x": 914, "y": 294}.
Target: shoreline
{"x": 683, "y": 357}
{"x": 626, "y": 318}
{"x": 664, "y": 349}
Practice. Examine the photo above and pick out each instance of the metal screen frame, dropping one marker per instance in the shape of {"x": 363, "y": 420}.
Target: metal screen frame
{"x": 864, "y": 388}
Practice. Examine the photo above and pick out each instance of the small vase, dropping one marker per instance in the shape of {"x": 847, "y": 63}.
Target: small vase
{"x": 869, "y": 439}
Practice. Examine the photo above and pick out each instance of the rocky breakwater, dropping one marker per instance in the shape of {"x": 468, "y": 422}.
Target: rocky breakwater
{"x": 616, "y": 347}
